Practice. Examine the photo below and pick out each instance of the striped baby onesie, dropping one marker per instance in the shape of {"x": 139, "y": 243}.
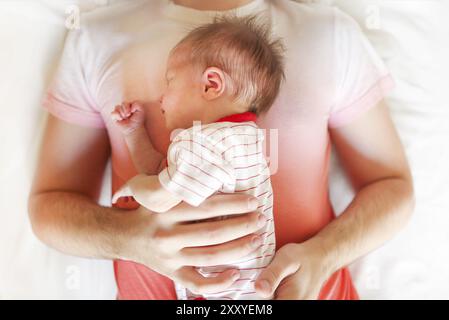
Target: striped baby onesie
{"x": 224, "y": 157}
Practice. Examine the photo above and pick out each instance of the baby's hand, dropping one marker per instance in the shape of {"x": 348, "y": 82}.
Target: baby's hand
{"x": 128, "y": 116}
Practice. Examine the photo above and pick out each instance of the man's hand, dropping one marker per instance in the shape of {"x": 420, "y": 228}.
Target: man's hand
{"x": 65, "y": 215}
{"x": 297, "y": 272}
{"x": 372, "y": 154}
{"x": 174, "y": 243}
{"x": 128, "y": 116}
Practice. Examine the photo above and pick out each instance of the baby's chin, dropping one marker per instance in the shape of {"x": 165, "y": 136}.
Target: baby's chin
{"x": 171, "y": 125}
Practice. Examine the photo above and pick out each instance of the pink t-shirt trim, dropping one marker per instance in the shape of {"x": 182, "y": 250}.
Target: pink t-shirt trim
{"x": 71, "y": 113}
{"x": 370, "y": 99}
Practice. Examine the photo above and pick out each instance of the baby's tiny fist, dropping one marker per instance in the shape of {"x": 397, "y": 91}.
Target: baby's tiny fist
{"x": 115, "y": 115}
{"x": 121, "y": 112}
{"x": 128, "y": 116}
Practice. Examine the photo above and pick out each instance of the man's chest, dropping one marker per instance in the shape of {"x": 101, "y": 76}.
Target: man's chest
{"x": 137, "y": 72}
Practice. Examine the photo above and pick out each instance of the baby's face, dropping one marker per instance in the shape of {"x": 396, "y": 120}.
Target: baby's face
{"x": 181, "y": 102}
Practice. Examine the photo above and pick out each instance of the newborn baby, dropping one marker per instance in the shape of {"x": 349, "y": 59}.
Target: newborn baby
{"x": 220, "y": 77}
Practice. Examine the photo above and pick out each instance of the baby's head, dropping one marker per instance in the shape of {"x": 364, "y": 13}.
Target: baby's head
{"x": 228, "y": 66}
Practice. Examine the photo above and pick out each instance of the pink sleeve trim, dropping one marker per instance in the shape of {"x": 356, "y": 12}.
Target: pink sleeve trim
{"x": 379, "y": 90}
{"x": 72, "y": 114}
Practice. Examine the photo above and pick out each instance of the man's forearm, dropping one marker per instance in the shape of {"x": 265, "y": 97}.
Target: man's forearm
{"x": 375, "y": 215}
{"x": 74, "y": 224}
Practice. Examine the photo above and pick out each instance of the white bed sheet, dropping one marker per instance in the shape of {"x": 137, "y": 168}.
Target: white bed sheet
{"x": 413, "y": 39}
{"x": 410, "y": 35}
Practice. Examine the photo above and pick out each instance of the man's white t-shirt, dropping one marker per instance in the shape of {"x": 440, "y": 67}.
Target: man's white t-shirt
{"x": 332, "y": 76}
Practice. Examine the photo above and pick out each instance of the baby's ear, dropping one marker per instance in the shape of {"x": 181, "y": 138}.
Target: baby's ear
{"x": 213, "y": 83}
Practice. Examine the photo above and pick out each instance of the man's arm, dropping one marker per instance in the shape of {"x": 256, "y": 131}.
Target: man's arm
{"x": 62, "y": 204}
{"x": 374, "y": 159}
{"x": 372, "y": 154}
{"x": 64, "y": 214}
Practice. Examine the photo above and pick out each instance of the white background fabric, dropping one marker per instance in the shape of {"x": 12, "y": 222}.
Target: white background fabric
{"x": 413, "y": 39}
{"x": 411, "y": 36}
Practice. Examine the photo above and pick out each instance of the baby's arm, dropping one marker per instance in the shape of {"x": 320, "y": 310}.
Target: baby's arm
{"x": 148, "y": 191}
{"x": 130, "y": 118}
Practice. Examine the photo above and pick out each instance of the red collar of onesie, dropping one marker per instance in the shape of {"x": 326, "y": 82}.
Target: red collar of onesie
{"x": 239, "y": 117}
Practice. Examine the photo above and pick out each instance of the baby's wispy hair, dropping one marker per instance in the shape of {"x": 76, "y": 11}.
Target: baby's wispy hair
{"x": 244, "y": 48}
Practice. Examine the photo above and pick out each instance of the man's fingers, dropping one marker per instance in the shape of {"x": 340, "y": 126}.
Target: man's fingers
{"x": 213, "y": 232}
{"x": 215, "y": 206}
{"x": 221, "y": 254}
{"x": 288, "y": 293}
{"x": 269, "y": 279}
{"x": 294, "y": 290}
{"x": 198, "y": 284}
